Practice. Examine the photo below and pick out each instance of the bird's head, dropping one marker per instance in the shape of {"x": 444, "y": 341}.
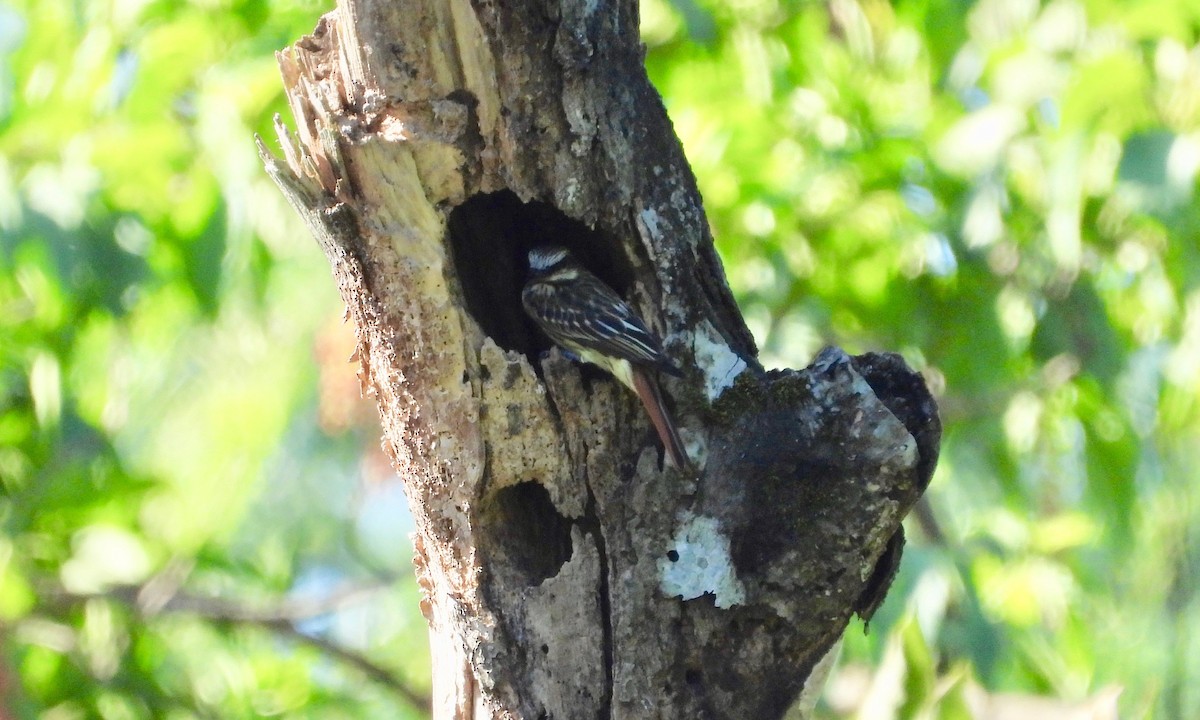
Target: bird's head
{"x": 550, "y": 260}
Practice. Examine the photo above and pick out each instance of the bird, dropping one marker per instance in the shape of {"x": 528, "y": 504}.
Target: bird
{"x": 589, "y": 320}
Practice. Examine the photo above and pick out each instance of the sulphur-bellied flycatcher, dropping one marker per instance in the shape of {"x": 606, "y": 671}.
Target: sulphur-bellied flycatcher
{"x": 588, "y": 319}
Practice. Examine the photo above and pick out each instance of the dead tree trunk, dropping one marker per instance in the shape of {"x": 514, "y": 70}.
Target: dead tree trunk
{"x": 567, "y": 574}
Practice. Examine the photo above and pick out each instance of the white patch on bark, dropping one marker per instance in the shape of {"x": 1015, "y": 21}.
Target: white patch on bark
{"x": 648, "y": 219}
{"x": 702, "y": 564}
{"x": 721, "y": 365}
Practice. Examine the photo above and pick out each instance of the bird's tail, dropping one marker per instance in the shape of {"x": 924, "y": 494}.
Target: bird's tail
{"x": 646, "y": 387}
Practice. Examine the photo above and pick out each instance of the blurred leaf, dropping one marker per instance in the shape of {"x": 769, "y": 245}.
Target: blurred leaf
{"x": 1077, "y": 326}
{"x": 1109, "y": 93}
{"x": 921, "y": 670}
{"x": 16, "y": 596}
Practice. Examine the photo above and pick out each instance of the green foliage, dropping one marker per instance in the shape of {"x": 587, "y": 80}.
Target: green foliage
{"x": 166, "y": 497}
{"x": 1005, "y": 193}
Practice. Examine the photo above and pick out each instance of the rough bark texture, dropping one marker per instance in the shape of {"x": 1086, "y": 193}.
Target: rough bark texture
{"x": 566, "y": 573}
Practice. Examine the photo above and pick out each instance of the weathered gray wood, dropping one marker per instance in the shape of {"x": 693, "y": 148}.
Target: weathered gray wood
{"x": 566, "y": 574}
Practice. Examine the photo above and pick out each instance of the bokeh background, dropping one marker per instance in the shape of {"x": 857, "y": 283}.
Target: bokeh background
{"x": 195, "y": 520}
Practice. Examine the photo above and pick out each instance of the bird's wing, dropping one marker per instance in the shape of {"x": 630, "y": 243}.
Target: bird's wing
{"x": 587, "y": 313}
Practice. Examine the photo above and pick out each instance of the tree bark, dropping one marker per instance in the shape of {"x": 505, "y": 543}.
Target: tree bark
{"x": 566, "y": 573}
